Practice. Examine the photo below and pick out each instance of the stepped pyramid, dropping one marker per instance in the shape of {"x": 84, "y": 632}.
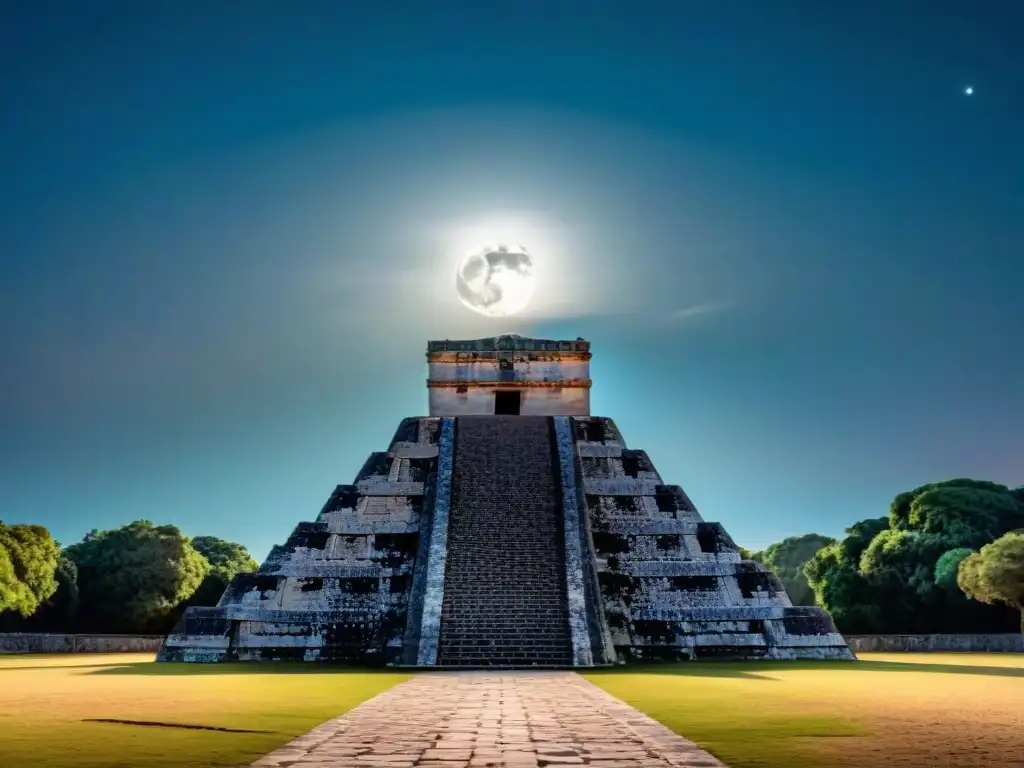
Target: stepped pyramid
{"x": 508, "y": 528}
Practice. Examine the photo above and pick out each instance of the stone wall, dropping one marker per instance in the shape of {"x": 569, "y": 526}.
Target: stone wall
{"x": 1004, "y": 643}
{"x": 673, "y": 585}
{"x": 552, "y": 377}
{"x": 339, "y": 587}
{"x": 478, "y": 400}
{"x": 423, "y": 644}
{"x": 17, "y": 642}
{"x": 514, "y": 370}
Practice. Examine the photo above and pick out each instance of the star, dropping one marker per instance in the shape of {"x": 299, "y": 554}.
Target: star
{"x": 968, "y": 90}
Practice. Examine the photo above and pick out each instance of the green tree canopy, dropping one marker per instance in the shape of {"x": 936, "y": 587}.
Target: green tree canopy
{"x": 947, "y": 567}
{"x": 227, "y": 559}
{"x": 55, "y": 614}
{"x": 894, "y": 574}
{"x": 130, "y": 579}
{"x": 834, "y": 576}
{"x": 996, "y": 573}
{"x": 971, "y": 511}
{"x": 787, "y": 559}
{"x": 28, "y": 562}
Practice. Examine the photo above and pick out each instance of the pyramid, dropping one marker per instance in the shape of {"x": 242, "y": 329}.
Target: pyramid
{"x": 508, "y": 528}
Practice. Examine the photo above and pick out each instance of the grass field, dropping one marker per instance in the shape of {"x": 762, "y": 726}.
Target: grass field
{"x": 896, "y": 711}
{"x": 46, "y": 703}
{"x": 887, "y": 710}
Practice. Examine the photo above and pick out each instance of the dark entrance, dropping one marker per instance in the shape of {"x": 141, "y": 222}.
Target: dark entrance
{"x": 507, "y": 403}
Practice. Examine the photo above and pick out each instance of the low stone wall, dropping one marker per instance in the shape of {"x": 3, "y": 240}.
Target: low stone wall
{"x": 1000, "y": 643}
{"x": 55, "y": 643}
{"x": 17, "y": 642}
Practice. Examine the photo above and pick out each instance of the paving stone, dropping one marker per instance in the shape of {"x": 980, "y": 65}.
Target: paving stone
{"x": 492, "y": 720}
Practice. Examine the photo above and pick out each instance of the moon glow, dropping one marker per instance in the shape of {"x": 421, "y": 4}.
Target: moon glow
{"x": 496, "y": 281}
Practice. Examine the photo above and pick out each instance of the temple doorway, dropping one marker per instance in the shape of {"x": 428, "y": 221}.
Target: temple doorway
{"x": 507, "y": 403}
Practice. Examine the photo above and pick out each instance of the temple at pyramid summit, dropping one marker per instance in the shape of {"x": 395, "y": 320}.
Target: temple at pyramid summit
{"x": 507, "y": 528}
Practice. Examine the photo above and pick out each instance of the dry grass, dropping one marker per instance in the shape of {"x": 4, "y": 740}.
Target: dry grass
{"x": 888, "y": 710}
{"x": 46, "y": 701}
{"x": 891, "y": 711}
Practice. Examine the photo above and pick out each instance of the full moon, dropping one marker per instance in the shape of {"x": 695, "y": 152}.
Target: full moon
{"x": 497, "y": 281}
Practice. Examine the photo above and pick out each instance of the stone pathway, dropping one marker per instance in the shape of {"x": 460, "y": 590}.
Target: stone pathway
{"x": 501, "y": 720}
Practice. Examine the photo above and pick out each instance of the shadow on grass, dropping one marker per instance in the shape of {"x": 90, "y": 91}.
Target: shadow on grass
{"x": 181, "y": 726}
{"x": 751, "y": 669}
{"x": 174, "y": 668}
{"x": 61, "y": 667}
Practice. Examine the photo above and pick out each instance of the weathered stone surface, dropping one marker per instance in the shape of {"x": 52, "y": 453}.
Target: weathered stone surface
{"x": 575, "y": 566}
{"x": 510, "y": 720}
{"x": 673, "y": 586}
{"x": 506, "y": 540}
{"x": 338, "y": 589}
{"x": 437, "y": 553}
{"x": 44, "y": 642}
{"x": 505, "y": 598}
{"x": 544, "y": 377}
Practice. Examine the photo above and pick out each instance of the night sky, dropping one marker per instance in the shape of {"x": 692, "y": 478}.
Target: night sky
{"x": 228, "y": 229}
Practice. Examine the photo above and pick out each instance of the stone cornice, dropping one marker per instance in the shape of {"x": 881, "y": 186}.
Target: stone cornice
{"x": 508, "y": 341}
{"x": 518, "y": 355}
{"x": 563, "y": 384}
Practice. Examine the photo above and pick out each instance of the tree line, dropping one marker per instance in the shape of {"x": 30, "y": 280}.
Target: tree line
{"x": 949, "y": 557}
{"x": 137, "y": 579}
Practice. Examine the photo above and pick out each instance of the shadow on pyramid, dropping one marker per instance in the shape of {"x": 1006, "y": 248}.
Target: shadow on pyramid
{"x": 509, "y": 528}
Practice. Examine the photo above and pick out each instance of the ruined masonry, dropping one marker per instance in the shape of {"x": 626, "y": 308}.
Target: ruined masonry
{"x": 509, "y": 528}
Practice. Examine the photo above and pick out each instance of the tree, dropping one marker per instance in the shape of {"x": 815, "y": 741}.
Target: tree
{"x": 948, "y": 565}
{"x": 227, "y": 559}
{"x": 996, "y": 573}
{"x": 893, "y": 574}
{"x": 834, "y": 576}
{"x": 787, "y": 559}
{"x": 55, "y": 614}
{"x": 925, "y": 524}
{"x": 28, "y": 561}
{"x": 130, "y": 579}
{"x": 964, "y": 509}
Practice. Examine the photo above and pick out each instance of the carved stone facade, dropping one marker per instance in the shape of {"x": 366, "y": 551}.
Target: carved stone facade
{"x": 468, "y": 522}
{"x": 672, "y": 585}
{"x": 345, "y": 587}
{"x": 509, "y": 375}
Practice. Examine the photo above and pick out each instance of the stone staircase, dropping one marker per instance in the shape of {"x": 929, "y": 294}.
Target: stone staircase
{"x": 504, "y": 593}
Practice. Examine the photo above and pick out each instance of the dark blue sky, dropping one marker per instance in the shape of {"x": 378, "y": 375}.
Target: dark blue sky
{"x": 228, "y": 229}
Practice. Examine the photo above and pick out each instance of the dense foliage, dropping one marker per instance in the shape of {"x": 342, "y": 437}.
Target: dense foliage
{"x": 226, "y": 559}
{"x": 896, "y": 574}
{"x": 28, "y": 563}
{"x": 131, "y": 578}
{"x": 135, "y": 579}
{"x": 996, "y": 573}
{"x": 787, "y": 559}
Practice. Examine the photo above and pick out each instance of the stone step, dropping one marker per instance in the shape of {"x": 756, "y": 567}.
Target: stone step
{"x": 513, "y": 626}
{"x": 491, "y": 637}
{"x": 507, "y": 649}
{"x": 505, "y": 599}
